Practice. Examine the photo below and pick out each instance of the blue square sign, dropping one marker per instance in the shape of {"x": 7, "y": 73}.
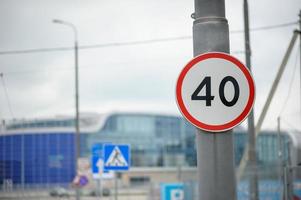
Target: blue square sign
{"x": 116, "y": 157}
{"x": 172, "y": 191}
{"x": 97, "y": 154}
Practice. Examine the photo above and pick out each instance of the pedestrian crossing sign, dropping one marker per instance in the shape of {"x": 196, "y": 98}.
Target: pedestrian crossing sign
{"x": 116, "y": 157}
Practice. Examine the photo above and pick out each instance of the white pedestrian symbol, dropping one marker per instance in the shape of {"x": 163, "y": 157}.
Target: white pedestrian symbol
{"x": 116, "y": 159}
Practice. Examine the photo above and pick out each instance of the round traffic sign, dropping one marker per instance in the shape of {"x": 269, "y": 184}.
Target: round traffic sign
{"x": 215, "y": 92}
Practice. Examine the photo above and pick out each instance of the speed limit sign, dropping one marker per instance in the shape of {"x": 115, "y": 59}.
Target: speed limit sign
{"x": 215, "y": 92}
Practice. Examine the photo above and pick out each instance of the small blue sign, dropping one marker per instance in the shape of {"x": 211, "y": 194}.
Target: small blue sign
{"x": 80, "y": 181}
{"x": 83, "y": 180}
{"x": 172, "y": 191}
{"x": 97, "y": 149}
{"x": 116, "y": 157}
{"x": 97, "y": 153}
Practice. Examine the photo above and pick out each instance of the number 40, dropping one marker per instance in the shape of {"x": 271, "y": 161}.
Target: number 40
{"x": 208, "y": 98}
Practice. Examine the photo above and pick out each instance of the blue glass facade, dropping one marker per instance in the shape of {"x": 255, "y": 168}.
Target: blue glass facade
{"x": 155, "y": 140}
{"x": 170, "y": 141}
{"x": 266, "y": 147}
{"x": 44, "y": 158}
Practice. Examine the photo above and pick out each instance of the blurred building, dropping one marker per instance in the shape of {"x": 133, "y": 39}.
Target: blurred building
{"x": 42, "y": 151}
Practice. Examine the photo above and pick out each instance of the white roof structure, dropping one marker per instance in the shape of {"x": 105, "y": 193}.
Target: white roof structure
{"x": 90, "y": 122}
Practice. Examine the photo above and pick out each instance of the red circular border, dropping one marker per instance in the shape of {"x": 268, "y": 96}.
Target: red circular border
{"x": 222, "y": 127}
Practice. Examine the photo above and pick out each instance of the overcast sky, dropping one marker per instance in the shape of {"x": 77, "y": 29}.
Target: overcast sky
{"x": 137, "y": 77}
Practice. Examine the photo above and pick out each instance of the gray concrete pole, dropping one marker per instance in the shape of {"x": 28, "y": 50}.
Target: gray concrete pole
{"x": 77, "y": 126}
{"x": 77, "y": 131}
{"x": 300, "y": 53}
{"x": 215, "y": 159}
{"x": 266, "y": 106}
{"x": 281, "y": 163}
{"x": 99, "y": 189}
{"x": 253, "y": 179}
{"x": 289, "y": 171}
{"x": 116, "y": 186}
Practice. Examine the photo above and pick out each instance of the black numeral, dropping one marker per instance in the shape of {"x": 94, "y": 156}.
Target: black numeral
{"x": 222, "y": 91}
{"x": 208, "y": 97}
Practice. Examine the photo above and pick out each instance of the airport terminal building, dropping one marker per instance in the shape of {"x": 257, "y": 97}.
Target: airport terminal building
{"x": 42, "y": 151}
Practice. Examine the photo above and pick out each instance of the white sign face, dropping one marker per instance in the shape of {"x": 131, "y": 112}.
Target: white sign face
{"x": 215, "y": 92}
{"x": 116, "y": 159}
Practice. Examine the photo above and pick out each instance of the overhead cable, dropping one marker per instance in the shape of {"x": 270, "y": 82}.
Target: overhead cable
{"x": 290, "y": 85}
{"x": 131, "y": 43}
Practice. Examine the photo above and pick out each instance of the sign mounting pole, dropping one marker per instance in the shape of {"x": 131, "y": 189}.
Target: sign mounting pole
{"x": 253, "y": 179}
{"x": 215, "y": 159}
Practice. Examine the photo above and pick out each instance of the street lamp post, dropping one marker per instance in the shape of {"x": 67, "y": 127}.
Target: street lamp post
{"x": 77, "y": 138}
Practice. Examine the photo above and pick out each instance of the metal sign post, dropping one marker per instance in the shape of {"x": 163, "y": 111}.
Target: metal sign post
{"x": 253, "y": 180}
{"x": 215, "y": 157}
{"x": 214, "y": 100}
{"x": 97, "y": 165}
{"x": 117, "y": 158}
{"x": 116, "y": 186}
